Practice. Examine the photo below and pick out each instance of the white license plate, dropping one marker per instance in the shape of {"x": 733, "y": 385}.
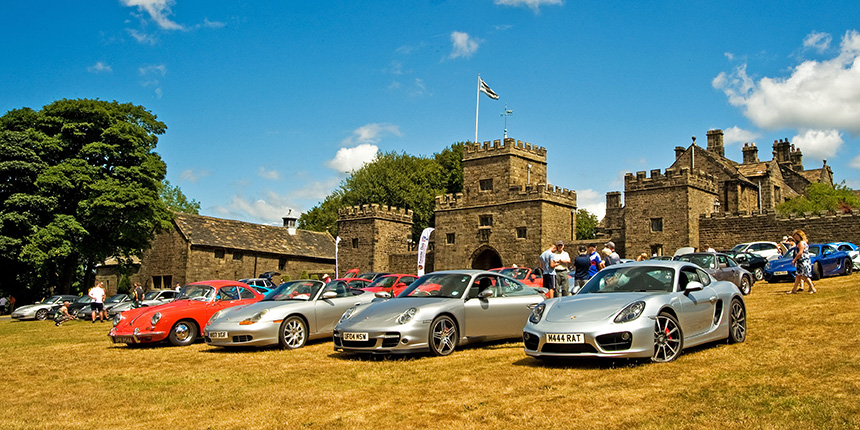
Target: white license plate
{"x": 218, "y": 335}
{"x": 355, "y": 336}
{"x": 780, "y": 273}
{"x": 123, "y": 339}
{"x": 564, "y": 338}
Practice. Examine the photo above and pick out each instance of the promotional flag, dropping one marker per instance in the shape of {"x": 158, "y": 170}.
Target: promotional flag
{"x": 422, "y": 249}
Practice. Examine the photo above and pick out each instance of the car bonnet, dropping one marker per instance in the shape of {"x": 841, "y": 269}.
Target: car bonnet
{"x": 390, "y": 309}
{"x": 596, "y": 307}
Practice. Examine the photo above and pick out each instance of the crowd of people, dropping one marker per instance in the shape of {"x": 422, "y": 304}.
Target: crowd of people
{"x": 555, "y": 263}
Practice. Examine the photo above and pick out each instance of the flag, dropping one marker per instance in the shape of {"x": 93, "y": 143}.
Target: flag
{"x": 422, "y": 248}
{"x": 486, "y": 90}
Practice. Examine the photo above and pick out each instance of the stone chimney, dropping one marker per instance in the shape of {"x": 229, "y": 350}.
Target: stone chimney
{"x": 290, "y": 222}
{"x": 715, "y": 143}
{"x": 750, "y": 153}
{"x": 782, "y": 151}
{"x": 796, "y": 158}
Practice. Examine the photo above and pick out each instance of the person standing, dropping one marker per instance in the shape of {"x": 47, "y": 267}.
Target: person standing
{"x": 581, "y": 264}
{"x": 11, "y": 303}
{"x": 802, "y": 263}
{"x": 562, "y": 260}
{"x": 2, "y": 305}
{"x": 547, "y": 267}
{"x": 97, "y": 302}
{"x": 137, "y": 294}
{"x": 595, "y": 261}
{"x": 613, "y": 257}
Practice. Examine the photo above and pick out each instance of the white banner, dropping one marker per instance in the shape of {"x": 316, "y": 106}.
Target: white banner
{"x": 422, "y": 249}
{"x": 336, "y": 243}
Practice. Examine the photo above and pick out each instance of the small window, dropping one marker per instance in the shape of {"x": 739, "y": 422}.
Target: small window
{"x": 449, "y": 238}
{"x": 282, "y": 263}
{"x": 237, "y": 255}
{"x": 521, "y": 232}
{"x": 486, "y": 221}
{"x": 656, "y": 224}
{"x": 485, "y": 234}
{"x": 486, "y": 184}
{"x": 245, "y": 294}
{"x": 355, "y": 242}
{"x": 219, "y": 254}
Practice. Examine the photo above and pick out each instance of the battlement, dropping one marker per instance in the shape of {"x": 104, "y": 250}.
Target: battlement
{"x": 516, "y": 193}
{"x": 671, "y": 178}
{"x": 508, "y": 146}
{"x": 774, "y": 215}
{"x": 391, "y": 213}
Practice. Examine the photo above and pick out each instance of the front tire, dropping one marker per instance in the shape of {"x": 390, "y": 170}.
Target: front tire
{"x": 42, "y": 314}
{"x": 816, "y": 272}
{"x": 443, "y": 336}
{"x": 668, "y": 339}
{"x": 849, "y": 266}
{"x": 758, "y": 272}
{"x": 183, "y": 333}
{"x": 293, "y": 333}
{"x": 746, "y": 285}
{"x": 737, "y": 322}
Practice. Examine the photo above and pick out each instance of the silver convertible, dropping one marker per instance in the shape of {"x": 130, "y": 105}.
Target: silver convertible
{"x": 641, "y": 309}
{"x": 437, "y": 312}
{"x": 288, "y": 316}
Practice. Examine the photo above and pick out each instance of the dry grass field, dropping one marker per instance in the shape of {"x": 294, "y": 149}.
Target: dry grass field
{"x": 799, "y": 368}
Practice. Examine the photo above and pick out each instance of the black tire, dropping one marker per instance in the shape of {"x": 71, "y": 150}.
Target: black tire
{"x": 293, "y": 333}
{"x": 42, "y": 314}
{"x": 183, "y": 333}
{"x": 746, "y": 285}
{"x": 758, "y": 272}
{"x": 443, "y": 336}
{"x": 737, "y": 322}
{"x": 849, "y": 266}
{"x": 668, "y": 338}
{"x": 816, "y": 272}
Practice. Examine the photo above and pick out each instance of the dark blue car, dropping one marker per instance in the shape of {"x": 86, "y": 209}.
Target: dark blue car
{"x": 826, "y": 261}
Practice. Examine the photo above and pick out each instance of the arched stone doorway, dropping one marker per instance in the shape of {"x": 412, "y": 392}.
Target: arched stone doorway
{"x": 485, "y": 258}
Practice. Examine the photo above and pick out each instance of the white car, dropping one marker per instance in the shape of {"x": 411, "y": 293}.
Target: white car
{"x": 768, "y": 250}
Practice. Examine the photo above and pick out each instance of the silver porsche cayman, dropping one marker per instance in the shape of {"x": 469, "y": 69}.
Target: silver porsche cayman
{"x": 437, "y": 312}
{"x": 288, "y": 316}
{"x": 641, "y": 309}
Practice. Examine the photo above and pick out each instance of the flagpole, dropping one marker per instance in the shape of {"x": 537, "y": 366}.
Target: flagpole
{"x": 477, "y": 102}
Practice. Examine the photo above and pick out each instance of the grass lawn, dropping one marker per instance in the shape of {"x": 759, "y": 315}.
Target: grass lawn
{"x": 799, "y": 368}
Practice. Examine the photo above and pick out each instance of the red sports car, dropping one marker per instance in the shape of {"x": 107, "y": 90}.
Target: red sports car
{"x": 181, "y": 321}
{"x": 528, "y": 276}
{"x": 392, "y": 284}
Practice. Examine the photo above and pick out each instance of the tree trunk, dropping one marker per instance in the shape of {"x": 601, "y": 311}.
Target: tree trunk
{"x": 67, "y": 272}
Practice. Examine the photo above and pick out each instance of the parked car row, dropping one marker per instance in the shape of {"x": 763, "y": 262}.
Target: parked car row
{"x": 828, "y": 259}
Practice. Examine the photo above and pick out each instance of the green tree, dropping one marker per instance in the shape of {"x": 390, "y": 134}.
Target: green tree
{"x": 81, "y": 183}
{"x": 586, "y": 224}
{"x": 176, "y": 201}
{"x": 820, "y": 197}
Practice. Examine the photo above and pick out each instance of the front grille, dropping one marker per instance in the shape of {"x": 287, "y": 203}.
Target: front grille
{"x": 531, "y": 341}
{"x": 615, "y": 341}
{"x": 569, "y": 348}
{"x": 359, "y": 343}
{"x": 390, "y": 339}
{"x": 243, "y": 338}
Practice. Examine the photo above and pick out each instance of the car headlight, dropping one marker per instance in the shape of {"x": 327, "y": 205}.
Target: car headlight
{"x": 117, "y": 319}
{"x": 537, "y": 313}
{"x": 254, "y": 318}
{"x": 216, "y": 315}
{"x": 406, "y": 316}
{"x": 631, "y": 312}
{"x": 155, "y": 318}
{"x": 346, "y": 315}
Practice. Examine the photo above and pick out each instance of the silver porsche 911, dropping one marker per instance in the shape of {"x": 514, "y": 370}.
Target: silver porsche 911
{"x": 437, "y": 312}
{"x": 288, "y": 316}
{"x": 641, "y": 309}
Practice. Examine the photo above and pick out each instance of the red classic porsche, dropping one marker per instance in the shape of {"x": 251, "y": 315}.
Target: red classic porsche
{"x": 181, "y": 321}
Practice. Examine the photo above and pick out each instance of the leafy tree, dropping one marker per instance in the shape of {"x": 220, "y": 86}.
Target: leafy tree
{"x": 394, "y": 179}
{"x": 586, "y": 224}
{"x": 819, "y": 197}
{"x": 176, "y": 201}
{"x": 80, "y": 183}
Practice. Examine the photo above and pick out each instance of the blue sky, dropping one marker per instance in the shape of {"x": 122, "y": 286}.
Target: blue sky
{"x": 268, "y": 104}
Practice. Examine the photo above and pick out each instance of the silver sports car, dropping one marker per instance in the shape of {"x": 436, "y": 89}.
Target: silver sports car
{"x": 641, "y": 309}
{"x": 288, "y": 316}
{"x": 437, "y": 312}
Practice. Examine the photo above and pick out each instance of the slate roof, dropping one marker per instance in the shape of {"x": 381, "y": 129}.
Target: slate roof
{"x": 225, "y": 233}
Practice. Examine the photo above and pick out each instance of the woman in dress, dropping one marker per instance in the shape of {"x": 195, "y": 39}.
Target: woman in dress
{"x": 802, "y": 263}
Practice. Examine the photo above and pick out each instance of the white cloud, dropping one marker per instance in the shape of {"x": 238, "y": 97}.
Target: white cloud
{"x": 99, "y": 67}
{"x": 158, "y": 10}
{"x": 212, "y": 24}
{"x": 592, "y": 201}
{"x": 349, "y": 159}
{"x": 738, "y": 135}
{"x": 141, "y": 37}
{"x": 464, "y": 45}
{"x": 192, "y": 175}
{"x": 159, "y": 69}
{"x": 817, "y": 41}
{"x": 532, "y": 4}
{"x": 817, "y": 95}
{"x": 855, "y": 163}
{"x": 272, "y": 175}
{"x": 371, "y": 133}
{"x": 818, "y": 144}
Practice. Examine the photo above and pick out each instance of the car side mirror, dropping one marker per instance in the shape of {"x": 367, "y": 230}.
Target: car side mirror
{"x": 400, "y": 285}
{"x": 382, "y": 294}
{"x": 694, "y": 286}
{"x": 486, "y": 294}
{"x": 329, "y": 295}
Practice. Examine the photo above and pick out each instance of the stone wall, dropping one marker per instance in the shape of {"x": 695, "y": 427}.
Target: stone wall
{"x": 370, "y": 233}
{"x": 725, "y": 231}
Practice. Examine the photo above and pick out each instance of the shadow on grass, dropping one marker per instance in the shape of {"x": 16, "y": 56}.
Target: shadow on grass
{"x": 244, "y": 349}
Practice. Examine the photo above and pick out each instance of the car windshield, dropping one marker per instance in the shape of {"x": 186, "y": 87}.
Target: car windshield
{"x": 52, "y": 299}
{"x": 814, "y": 250}
{"x": 626, "y": 279}
{"x": 449, "y": 285}
{"x": 83, "y": 299}
{"x": 116, "y": 298}
{"x": 295, "y": 290}
{"x": 515, "y": 272}
{"x": 740, "y": 247}
{"x": 704, "y": 261}
{"x": 384, "y": 281}
{"x": 196, "y": 292}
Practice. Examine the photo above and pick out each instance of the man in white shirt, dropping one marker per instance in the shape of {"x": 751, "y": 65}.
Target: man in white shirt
{"x": 561, "y": 259}
{"x": 547, "y": 267}
{"x": 97, "y": 302}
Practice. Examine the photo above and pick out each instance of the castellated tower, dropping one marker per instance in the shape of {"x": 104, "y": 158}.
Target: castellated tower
{"x": 370, "y": 234}
{"x": 507, "y": 213}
